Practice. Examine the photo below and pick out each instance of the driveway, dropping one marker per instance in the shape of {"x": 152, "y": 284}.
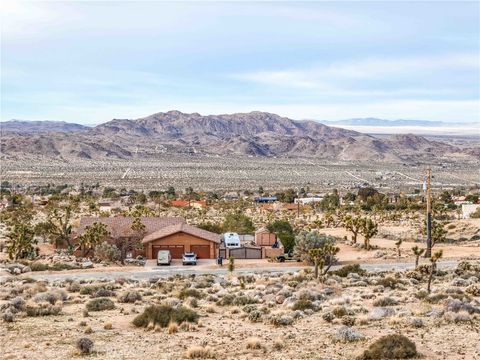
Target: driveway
{"x": 155, "y": 272}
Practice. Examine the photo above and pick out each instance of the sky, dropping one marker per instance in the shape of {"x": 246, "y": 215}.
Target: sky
{"x": 89, "y": 62}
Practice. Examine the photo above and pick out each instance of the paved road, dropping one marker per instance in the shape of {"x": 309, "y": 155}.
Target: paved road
{"x": 162, "y": 272}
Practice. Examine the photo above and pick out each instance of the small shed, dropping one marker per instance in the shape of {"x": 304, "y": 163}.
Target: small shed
{"x": 263, "y": 237}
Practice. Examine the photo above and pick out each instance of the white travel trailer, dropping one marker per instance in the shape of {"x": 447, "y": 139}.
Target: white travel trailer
{"x": 231, "y": 240}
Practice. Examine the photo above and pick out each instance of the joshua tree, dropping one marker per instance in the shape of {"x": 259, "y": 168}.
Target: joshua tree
{"x": 60, "y": 226}
{"x": 417, "y": 252}
{"x": 354, "y": 225}
{"x": 433, "y": 267}
{"x": 94, "y": 235}
{"x": 369, "y": 230}
{"x": 21, "y": 241}
{"x": 398, "y": 244}
{"x": 323, "y": 256}
{"x": 231, "y": 264}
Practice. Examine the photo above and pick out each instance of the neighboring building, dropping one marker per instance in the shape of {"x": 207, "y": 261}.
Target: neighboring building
{"x": 265, "y": 199}
{"x": 469, "y": 209}
{"x": 185, "y": 203}
{"x": 308, "y": 200}
{"x": 181, "y": 238}
{"x": 263, "y": 237}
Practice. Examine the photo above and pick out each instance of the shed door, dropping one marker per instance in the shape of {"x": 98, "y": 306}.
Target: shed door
{"x": 202, "y": 251}
{"x": 175, "y": 250}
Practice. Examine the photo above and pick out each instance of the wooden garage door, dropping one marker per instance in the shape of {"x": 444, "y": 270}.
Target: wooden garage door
{"x": 175, "y": 250}
{"x": 202, "y": 251}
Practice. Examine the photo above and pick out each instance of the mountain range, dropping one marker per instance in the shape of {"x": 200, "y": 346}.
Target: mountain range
{"x": 39, "y": 126}
{"x": 253, "y": 134}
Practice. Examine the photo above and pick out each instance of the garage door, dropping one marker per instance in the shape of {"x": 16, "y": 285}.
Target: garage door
{"x": 175, "y": 250}
{"x": 202, "y": 251}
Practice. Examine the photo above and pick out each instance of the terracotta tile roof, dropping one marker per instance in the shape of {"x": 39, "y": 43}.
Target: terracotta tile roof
{"x": 182, "y": 227}
{"x": 121, "y": 225}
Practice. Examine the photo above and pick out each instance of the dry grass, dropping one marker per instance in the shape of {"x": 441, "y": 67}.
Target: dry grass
{"x": 199, "y": 352}
{"x": 254, "y": 343}
{"x": 172, "y": 328}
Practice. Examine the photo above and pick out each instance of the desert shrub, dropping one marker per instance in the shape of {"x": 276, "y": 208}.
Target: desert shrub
{"x": 254, "y": 343}
{"x": 73, "y": 287}
{"x": 129, "y": 297}
{"x": 348, "y": 320}
{"x": 303, "y": 304}
{"x": 102, "y": 292}
{"x": 199, "y": 352}
{"x": 473, "y": 289}
{"x": 85, "y": 345}
{"x": 339, "y": 311}
{"x": 435, "y": 298}
{"x": 100, "y": 304}
{"x": 51, "y": 296}
{"x": 38, "y": 266}
{"x": 162, "y": 315}
{"x": 108, "y": 326}
{"x": 392, "y": 346}
{"x": 280, "y": 319}
{"x": 18, "y": 303}
{"x": 243, "y": 300}
{"x": 107, "y": 252}
{"x": 347, "y": 269}
{"x": 255, "y": 316}
{"x": 185, "y": 293}
{"x": 88, "y": 289}
{"x": 43, "y": 309}
{"x": 389, "y": 282}
{"x": 385, "y": 301}
{"x": 421, "y": 295}
{"x": 172, "y": 328}
{"x": 328, "y": 316}
{"x": 8, "y": 316}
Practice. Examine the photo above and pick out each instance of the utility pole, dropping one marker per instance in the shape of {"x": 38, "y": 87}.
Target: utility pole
{"x": 428, "y": 252}
{"x": 298, "y": 202}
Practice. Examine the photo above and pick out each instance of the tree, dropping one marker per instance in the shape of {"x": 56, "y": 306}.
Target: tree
{"x": 239, "y": 223}
{"x": 322, "y": 256}
{"x": 354, "y": 224}
{"x": 417, "y": 252}
{"x": 398, "y": 244}
{"x": 60, "y": 226}
{"x": 369, "y": 230}
{"x": 284, "y": 232}
{"x": 93, "y": 235}
{"x": 439, "y": 234}
{"x": 433, "y": 267}
{"x": 212, "y": 227}
{"x": 21, "y": 241}
{"x": 305, "y": 241}
{"x": 44, "y": 230}
{"x": 231, "y": 264}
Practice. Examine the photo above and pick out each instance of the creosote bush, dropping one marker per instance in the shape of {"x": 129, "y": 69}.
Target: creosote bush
{"x": 347, "y": 269}
{"x": 199, "y": 352}
{"x": 162, "y": 315}
{"x": 100, "y": 304}
{"x": 85, "y": 345}
{"x": 392, "y": 346}
{"x": 43, "y": 309}
{"x": 389, "y": 282}
{"x": 185, "y": 293}
{"x": 303, "y": 304}
{"x": 129, "y": 297}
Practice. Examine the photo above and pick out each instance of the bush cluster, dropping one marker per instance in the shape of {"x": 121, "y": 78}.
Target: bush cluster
{"x": 162, "y": 315}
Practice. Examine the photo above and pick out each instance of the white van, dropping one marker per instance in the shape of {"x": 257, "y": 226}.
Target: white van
{"x": 231, "y": 239}
{"x": 164, "y": 257}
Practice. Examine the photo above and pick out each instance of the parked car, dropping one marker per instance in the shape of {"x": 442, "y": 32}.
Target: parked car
{"x": 164, "y": 257}
{"x": 287, "y": 257}
{"x": 189, "y": 258}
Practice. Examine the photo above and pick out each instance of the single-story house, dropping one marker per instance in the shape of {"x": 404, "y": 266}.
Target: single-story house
{"x": 468, "y": 210}
{"x": 198, "y": 204}
{"x": 160, "y": 233}
{"x": 180, "y": 238}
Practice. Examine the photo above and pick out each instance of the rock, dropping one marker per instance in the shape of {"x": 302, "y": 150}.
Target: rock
{"x": 87, "y": 265}
{"x": 26, "y": 269}
{"x": 435, "y": 313}
{"x": 460, "y": 282}
{"x": 417, "y": 322}
{"x": 347, "y": 334}
{"x": 328, "y": 291}
{"x": 16, "y": 271}
{"x": 379, "y": 254}
{"x": 279, "y": 299}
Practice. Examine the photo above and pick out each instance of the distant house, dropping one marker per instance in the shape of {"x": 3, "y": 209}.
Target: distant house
{"x": 308, "y": 200}
{"x": 265, "y": 199}
{"x": 198, "y": 204}
{"x": 161, "y": 233}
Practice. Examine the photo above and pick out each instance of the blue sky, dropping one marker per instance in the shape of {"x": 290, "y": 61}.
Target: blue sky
{"x": 89, "y": 62}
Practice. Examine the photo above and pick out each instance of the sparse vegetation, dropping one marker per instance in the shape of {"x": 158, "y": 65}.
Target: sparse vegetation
{"x": 162, "y": 315}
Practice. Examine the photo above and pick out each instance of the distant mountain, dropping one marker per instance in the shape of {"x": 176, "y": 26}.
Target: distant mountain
{"x": 383, "y": 122}
{"x": 254, "y": 134}
{"x": 36, "y": 127}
